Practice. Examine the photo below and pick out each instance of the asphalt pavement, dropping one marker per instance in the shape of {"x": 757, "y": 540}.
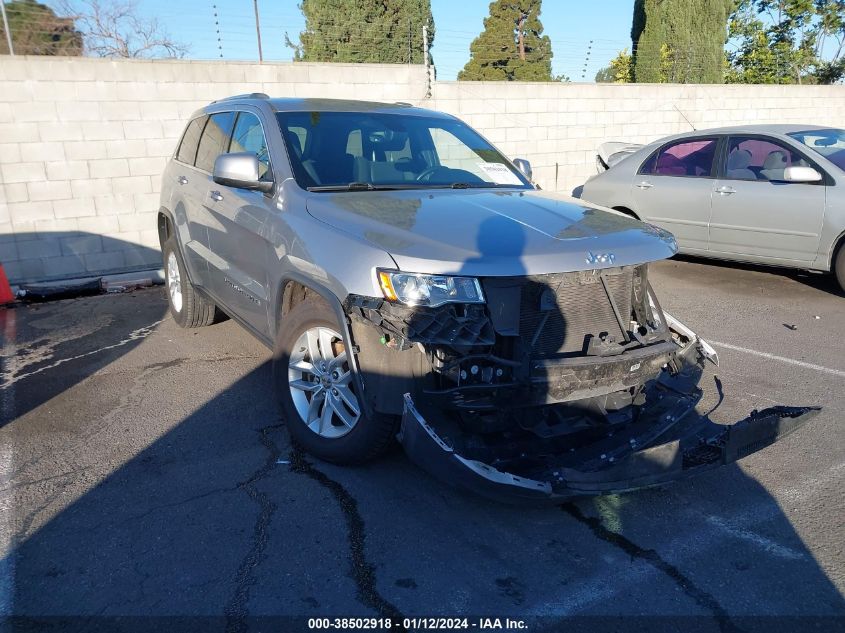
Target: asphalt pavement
{"x": 145, "y": 472}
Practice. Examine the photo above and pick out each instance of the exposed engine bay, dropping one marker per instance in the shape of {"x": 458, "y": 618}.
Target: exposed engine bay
{"x": 558, "y": 385}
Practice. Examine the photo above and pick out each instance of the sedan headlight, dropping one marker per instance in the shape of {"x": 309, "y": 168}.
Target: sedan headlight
{"x": 429, "y": 290}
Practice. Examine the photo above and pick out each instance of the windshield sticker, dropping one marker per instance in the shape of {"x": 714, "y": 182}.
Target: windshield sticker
{"x": 499, "y": 173}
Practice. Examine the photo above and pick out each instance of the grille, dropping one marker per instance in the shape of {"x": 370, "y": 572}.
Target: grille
{"x": 559, "y": 311}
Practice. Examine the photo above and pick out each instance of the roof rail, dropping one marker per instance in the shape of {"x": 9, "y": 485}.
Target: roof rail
{"x": 249, "y": 95}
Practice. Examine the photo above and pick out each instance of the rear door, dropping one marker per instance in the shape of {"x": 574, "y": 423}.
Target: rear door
{"x": 672, "y": 189}
{"x": 756, "y": 214}
{"x": 188, "y": 191}
{"x": 237, "y": 240}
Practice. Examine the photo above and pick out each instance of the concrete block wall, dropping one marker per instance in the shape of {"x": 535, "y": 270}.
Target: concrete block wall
{"x": 558, "y": 127}
{"x": 83, "y": 141}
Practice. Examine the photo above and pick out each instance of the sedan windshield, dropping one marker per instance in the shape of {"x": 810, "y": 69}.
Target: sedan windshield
{"x": 830, "y": 143}
{"x": 360, "y": 151}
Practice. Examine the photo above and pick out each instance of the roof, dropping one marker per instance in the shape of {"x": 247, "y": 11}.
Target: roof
{"x": 298, "y": 104}
{"x": 758, "y": 128}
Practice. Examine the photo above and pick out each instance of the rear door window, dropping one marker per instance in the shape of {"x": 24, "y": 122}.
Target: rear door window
{"x": 187, "y": 152}
{"x": 214, "y": 140}
{"x": 692, "y": 158}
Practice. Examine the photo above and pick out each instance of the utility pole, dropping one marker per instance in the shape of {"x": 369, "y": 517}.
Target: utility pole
{"x": 6, "y": 27}
{"x": 258, "y": 31}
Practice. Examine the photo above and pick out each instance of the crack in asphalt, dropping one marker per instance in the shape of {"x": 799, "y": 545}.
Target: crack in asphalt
{"x": 134, "y": 518}
{"x": 650, "y": 556}
{"x": 236, "y": 610}
{"x": 363, "y": 572}
{"x": 129, "y": 399}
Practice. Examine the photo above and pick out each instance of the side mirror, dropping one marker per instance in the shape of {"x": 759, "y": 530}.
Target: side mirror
{"x": 523, "y": 166}
{"x": 239, "y": 170}
{"x": 797, "y": 173}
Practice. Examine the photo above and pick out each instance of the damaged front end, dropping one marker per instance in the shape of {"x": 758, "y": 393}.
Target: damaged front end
{"x": 556, "y": 386}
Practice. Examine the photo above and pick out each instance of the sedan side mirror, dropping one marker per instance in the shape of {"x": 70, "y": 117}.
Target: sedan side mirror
{"x": 240, "y": 170}
{"x": 798, "y": 173}
{"x": 524, "y": 167}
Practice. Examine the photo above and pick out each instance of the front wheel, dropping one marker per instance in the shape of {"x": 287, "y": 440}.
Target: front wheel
{"x": 317, "y": 390}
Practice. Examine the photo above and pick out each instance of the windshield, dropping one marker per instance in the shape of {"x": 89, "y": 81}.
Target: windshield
{"x": 365, "y": 150}
{"x": 830, "y": 143}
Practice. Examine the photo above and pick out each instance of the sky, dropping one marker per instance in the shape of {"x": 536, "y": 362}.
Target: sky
{"x": 585, "y": 34}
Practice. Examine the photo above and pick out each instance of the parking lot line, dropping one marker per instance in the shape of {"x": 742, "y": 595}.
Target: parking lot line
{"x": 782, "y": 359}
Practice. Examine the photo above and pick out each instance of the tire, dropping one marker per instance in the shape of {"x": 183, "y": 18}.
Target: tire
{"x": 839, "y": 267}
{"x": 328, "y": 438}
{"x": 187, "y": 307}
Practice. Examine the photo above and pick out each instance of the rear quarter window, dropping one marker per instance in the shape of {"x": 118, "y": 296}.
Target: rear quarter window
{"x": 187, "y": 152}
{"x": 215, "y": 139}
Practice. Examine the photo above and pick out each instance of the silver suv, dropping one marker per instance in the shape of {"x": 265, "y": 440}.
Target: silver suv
{"x": 415, "y": 285}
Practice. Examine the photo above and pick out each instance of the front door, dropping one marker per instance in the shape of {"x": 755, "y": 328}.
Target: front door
{"x": 759, "y": 216}
{"x": 236, "y": 234}
{"x": 188, "y": 187}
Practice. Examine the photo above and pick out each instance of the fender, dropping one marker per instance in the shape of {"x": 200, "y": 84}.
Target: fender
{"x": 332, "y": 299}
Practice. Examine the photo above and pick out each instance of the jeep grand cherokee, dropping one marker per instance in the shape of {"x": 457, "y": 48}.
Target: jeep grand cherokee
{"x": 415, "y": 285}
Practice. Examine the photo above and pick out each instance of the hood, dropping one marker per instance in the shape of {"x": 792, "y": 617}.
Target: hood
{"x": 491, "y": 232}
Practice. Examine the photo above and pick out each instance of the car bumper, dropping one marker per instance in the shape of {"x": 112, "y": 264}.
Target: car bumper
{"x": 675, "y": 443}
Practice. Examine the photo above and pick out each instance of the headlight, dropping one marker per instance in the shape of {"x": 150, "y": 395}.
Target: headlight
{"x": 429, "y": 290}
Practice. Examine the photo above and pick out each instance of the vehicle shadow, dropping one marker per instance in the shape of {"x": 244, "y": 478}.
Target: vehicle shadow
{"x": 51, "y": 341}
{"x": 522, "y": 319}
{"x": 221, "y": 520}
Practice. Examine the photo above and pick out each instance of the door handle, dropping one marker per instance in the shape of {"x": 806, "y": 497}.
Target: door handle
{"x": 644, "y": 184}
{"x": 182, "y": 180}
{"x": 725, "y": 191}
{"x": 216, "y": 196}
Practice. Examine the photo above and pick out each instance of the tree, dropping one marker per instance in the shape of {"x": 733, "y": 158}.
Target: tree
{"x": 604, "y": 76}
{"x": 680, "y": 40}
{"x": 375, "y": 31}
{"x": 617, "y": 71}
{"x": 37, "y": 30}
{"x": 113, "y": 28}
{"x": 787, "y": 41}
{"x": 512, "y": 46}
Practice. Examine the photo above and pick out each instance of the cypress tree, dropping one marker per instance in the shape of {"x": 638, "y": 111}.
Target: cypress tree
{"x": 680, "y": 41}
{"x": 37, "y": 30}
{"x": 375, "y": 31}
{"x": 512, "y": 46}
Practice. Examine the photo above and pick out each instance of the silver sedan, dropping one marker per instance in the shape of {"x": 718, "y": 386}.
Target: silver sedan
{"x": 769, "y": 194}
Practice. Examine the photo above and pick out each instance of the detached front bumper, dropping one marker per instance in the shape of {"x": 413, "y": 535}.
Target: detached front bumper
{"x": 672, "y": 442}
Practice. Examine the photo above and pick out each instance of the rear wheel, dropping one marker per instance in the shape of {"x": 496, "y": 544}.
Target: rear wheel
{"x": 187, "y": 306}
{"x": 318, "y": 392}
{"x": 839, "y": 266}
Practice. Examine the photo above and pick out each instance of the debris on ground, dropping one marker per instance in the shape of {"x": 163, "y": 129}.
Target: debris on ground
{"x": 68, "y": 289}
